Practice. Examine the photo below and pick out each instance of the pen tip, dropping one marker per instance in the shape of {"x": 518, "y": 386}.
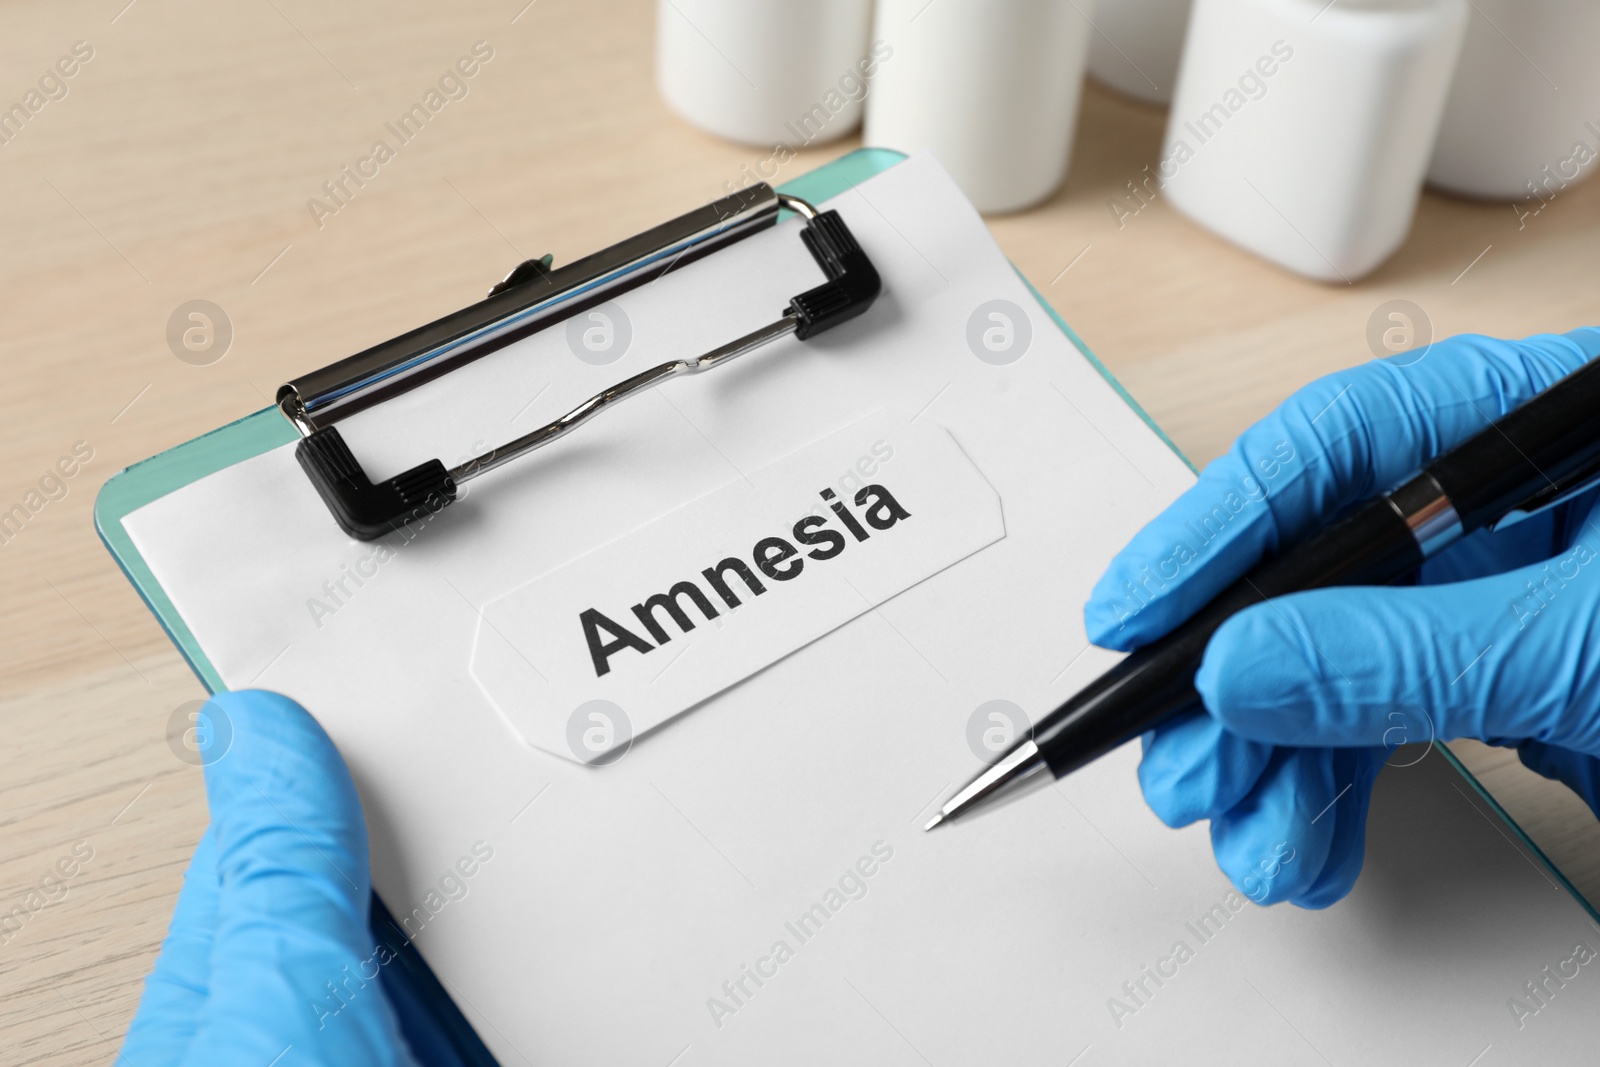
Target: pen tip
{"x": 935, "y": 821}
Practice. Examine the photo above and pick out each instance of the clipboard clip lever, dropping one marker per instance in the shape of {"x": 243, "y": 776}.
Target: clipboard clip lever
{"x": 532, "y": 297}
{"x": 526, "y": 271}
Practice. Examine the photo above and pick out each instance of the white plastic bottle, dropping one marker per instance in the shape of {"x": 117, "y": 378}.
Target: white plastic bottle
{"x": 766, "y": 72}
{"x": 1301, "y": 129}
{"x": 991, "y": 86}
{"x": 1523, "y": 118}
{"x": 1137, "y": 46}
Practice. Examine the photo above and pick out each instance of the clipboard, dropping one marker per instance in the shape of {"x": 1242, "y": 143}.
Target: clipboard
{"x": 268, "y": 429}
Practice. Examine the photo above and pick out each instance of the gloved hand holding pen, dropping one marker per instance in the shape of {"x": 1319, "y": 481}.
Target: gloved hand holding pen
{"x": 1307, "y": 695}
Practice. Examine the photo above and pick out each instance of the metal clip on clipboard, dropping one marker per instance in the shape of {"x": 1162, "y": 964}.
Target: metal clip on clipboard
{"x": 534, "y": 297}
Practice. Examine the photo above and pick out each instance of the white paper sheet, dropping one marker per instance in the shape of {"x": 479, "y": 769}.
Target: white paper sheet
{"x": 624, "y": 903}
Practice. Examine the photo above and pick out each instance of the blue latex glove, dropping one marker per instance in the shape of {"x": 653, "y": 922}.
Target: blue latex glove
{"x": 274, "y": 907}
{"x": 1307, "y": 696}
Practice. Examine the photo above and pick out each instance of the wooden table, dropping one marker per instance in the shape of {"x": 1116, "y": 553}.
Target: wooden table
{"x": 179, "y": 166}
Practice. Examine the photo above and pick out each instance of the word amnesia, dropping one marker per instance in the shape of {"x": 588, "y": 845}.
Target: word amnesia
{"x": 775, "y": 557}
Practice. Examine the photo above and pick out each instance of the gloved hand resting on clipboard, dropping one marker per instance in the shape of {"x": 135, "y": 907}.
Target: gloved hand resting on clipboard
{"x": 1308, "y": 696}
{"x": 274, "y": 908}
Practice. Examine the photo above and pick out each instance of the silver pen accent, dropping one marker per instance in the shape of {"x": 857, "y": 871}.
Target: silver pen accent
{"x": 1428, "y": 512}
{"x": 1018, "y": 772}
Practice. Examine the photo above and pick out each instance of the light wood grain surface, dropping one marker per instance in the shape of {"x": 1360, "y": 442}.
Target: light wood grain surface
{"x": 178, "y": 166}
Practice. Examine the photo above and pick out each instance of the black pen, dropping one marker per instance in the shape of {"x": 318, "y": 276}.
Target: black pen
{"x": 1539, "y": 455}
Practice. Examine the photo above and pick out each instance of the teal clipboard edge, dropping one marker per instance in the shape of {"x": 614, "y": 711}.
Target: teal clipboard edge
{"x": 133, "y": 487}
